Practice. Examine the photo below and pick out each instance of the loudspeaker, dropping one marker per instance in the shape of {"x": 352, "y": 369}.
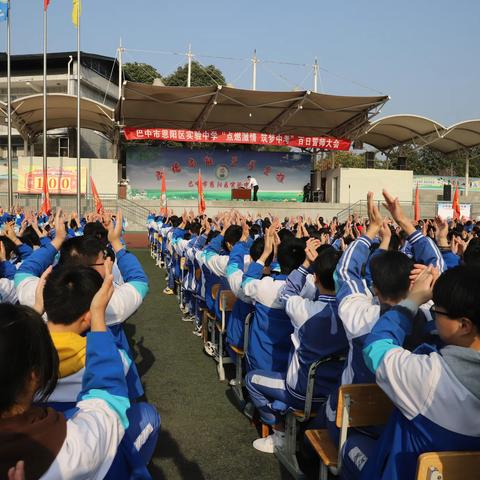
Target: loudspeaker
{"x": 316, "y": 180}
{"x": 402, "y": 163}
{"x": 369, "y": 159}
{"x": 357, "y": 145}
{"x": 447, "y": 193}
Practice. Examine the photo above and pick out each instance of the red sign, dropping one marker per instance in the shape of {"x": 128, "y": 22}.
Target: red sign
{"x": 252, "y": 138}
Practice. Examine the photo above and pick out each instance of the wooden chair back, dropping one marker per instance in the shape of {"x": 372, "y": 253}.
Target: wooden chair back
{"x": 215, "y": 290}
{"x": 367, "y": 406}
{"x": 227, "y": 300}
{"x": 448, "y": 466}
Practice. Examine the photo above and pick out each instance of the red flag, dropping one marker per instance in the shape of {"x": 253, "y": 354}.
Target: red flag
{"x": 456, "y": 204}
{"x": 46, "y": 3}
{"x": 201, "y": 199}
{"x": 163, "y": 197}
{"x": 417, "y": 205}
{"x": 96, "y": 197}
{"x": 46, "y": 207}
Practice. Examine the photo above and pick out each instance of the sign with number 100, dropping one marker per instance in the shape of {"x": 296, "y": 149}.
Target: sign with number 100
{"x": 60, "y": 181}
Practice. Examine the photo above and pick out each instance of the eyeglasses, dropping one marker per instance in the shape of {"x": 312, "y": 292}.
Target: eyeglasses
{"x": 434, "y": 312}
{"x": 105, "y": 256}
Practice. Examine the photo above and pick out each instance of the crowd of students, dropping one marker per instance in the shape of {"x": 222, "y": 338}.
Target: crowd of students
{"x": 71, "y": 401}
{"x": 382, "y": 300}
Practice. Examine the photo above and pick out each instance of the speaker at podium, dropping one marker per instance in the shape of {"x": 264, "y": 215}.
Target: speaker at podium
{"x": 447, "y": 192}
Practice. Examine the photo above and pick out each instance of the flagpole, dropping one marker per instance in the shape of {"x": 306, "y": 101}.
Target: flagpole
{"x": 79, "y": 186}
{"x": 45, "y": 94}
{"x": 9, "y": 116}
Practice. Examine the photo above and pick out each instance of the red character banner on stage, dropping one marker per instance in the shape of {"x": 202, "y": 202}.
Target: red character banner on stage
{"x": 250, "y": 138}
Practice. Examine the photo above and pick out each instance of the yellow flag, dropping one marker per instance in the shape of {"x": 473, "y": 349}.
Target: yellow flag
{"x": 77, "y": 11}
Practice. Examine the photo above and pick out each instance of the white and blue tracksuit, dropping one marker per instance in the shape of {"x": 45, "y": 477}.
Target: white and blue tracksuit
{"x": 8, "y": 293}
{"x": 318, "y": 334}
{"x": 269, "y": 336}
{"x": 243, "y": 306}
{"x": 360, "y": 310}
{"x": 126, "y": 298}
{"x": 105, "y": 436}
{"x": 436, "y": 395}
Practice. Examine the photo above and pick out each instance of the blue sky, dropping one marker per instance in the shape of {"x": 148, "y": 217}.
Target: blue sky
{"x": 424, "y": 54}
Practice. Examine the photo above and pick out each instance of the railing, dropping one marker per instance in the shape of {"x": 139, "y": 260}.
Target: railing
{"x": 427, "y": 209}
{"x": 135, "y": 214}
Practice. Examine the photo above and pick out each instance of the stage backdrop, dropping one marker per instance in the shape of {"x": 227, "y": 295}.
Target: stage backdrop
{"x": 280, "y": 175}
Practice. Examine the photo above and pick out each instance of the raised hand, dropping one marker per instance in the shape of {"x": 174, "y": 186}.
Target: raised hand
{"x": 421, "y": 290}
{"x": 115, "y": 233}
{"x": 385, "y": 235}
{"x": 245, "y": 231}
{"x": 441, "y": 233}
{"x": 38, "y": 306}
{"x": 268, "y": 247}
{"x": 392, "y": 204}
{"x": 311, "y": 253}
{"x": 374, "y": 217}
{"x": 101, "y": 299}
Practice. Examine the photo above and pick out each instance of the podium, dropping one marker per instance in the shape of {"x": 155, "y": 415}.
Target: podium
{"x": 241, "y": 194}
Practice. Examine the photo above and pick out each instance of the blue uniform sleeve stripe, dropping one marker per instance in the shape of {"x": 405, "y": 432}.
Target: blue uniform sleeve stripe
{"x": 232, "y": 268}
{"x": 20, "y": 277}
{"x": 141, "y": 287}
{"x": 118, "y": 404}
{"x": 374, "y": 353}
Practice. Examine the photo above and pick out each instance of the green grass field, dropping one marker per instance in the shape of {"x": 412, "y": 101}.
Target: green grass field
{"x": 203, "y": 435}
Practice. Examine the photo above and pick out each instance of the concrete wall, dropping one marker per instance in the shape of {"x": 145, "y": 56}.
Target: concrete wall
{"x": 103, "y": 170}
{"x": 398, "y": 182}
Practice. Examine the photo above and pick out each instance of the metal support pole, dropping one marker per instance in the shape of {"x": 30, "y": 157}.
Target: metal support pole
{"x": 120, "y": 70}
{"x": 254, "y": 77}
{"x": 189, "y": 74}
{"x": 44, "y": 165}
{"x": 9, "y": 114}
{"x": 315, "y": 76}
{"x": 467, "y": 175}
{"x": 79, "y": 160}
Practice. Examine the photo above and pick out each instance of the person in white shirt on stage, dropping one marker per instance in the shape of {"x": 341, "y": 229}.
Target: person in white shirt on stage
{"x": 253, "y": 185}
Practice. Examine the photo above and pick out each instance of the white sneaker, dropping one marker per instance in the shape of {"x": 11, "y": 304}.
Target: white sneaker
{"x": 188, "y": 318}
{"x": 198, "y": 332}
{"x": 270, "y": 443}
{"x": 210, "y": 349}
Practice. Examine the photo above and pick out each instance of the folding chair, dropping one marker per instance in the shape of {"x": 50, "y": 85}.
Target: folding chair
{"x": 160, "y": 253}
{"x": 238, "y": 382}
{"x": 361, "y": 405}
{"x": 209, "y": 319}
{"x": 287, "y": 455}
{"x": 179, "y": 282}
{"x": 448, "y": 466}
{"x": 153, "y": 245}
{"x": 227, "y": 301}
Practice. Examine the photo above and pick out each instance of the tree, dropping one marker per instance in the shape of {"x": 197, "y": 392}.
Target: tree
{"x": 340, "y": 159}
{"x": 141, "y": 72}
{"x": 201, "y": 76}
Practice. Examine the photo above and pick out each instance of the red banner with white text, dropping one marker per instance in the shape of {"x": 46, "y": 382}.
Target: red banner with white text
{"x": 252, "y": 138}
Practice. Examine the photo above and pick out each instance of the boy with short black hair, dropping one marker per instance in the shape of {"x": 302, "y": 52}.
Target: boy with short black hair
{"x": 318, "y": 334}
{"x": 67, "y": 295}
{"x": 436, "y": 393}
{"x": 270, "y": 330}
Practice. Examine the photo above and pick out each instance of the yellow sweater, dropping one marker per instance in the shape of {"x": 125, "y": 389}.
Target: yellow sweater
{"x": 72, "y": 350}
